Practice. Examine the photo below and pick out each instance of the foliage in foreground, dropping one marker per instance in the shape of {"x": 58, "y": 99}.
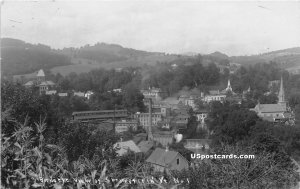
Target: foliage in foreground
{"x": 29, "y": 162}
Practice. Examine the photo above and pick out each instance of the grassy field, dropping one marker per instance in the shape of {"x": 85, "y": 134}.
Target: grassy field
{"x": 84, "y": 65}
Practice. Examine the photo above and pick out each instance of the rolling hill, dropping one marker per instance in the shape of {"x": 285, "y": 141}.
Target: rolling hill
{"x": 288, "y": 58}
{"x": 19, "y": 57}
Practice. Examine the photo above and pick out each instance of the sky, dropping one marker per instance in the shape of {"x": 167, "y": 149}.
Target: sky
{"x": 231, "y": 27}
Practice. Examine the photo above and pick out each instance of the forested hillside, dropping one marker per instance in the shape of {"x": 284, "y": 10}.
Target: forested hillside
{"x": 286, "y": 57}
{"x": 19, "y": 57}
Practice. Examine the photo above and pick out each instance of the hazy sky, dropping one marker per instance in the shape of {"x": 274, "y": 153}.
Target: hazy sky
{"x": 235, "y": 28}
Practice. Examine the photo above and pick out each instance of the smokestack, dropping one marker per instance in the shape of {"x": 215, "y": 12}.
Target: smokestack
{"x": 167, "y": 148}
{"x": 150, "y": 137}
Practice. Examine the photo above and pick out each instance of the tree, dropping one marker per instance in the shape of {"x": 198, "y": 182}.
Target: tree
{"x": 87, "y": 140}
{"x": 230, "y": 123}
{"x": 263, "y": 171}
{"x": 133, "y": 98}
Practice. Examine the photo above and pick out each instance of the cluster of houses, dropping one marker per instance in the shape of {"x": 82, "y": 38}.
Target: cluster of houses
{"x": 48, "y": 87}
{"x": 165, "y": 119}
{"x": 279, "y": 112}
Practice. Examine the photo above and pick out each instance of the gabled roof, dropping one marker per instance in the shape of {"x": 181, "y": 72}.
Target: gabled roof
{"x": 125, "y": 146}
{"x": 214, "y": 92}
{"x": 145, "y": 145}
{"x": 47, "y": 83}
{"x": 162, "y": 157}
{"x": 41, "y": 73}
{"x": 29, "y": 83}
{"x": 270, "y": 108}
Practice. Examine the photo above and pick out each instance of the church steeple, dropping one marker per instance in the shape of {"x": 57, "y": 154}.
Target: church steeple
{"x": 281, "y": 96}
{"x": 229, "y": 86}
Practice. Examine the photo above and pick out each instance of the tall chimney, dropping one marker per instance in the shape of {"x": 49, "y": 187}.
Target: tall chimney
{"x": 150, "y": 136}
{"x": 167, "y": 148}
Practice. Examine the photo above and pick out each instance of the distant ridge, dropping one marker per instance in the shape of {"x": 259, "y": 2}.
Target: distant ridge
{"x": 19, "y": 57}
{"x": 218, "y": 54}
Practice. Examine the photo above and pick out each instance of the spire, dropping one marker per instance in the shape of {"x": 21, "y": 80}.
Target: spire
{"x": 281, "y": 96}
{"x": 228, "y": 86}
{"x": 40, "y": 73}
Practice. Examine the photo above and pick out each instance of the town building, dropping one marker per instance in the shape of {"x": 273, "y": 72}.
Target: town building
{"x": 222, "y": 68}
{"x": 188, "y": 100}
{"x": 125, "y": 125}
{"x": 274, "y": 112}
{"x": 40, "y": 82}
{"x": 88, "y": 94}
{"x": 174, "y": 66}
{"x": 246, "y": 92}
{"x": 117, "y": 90}
{"x": 153, "y": 93}
{"x": 225, "y": 94}
{"x": 103, "y": 115}
{"x": 145, "y": 146}
{"x": 201, "y": 115}
{"x": 139, "y": 137}
{"x": 144, "y": 118}
{"x": 274, "y": 83}
{"x": 197, "y": 143}
{"x": 214, "y": 97}
{"x": 228, "y": 89}
{"x": 181, "y": 121}
{"x": 63, "y": 94}
{"x": 51, "y": 92}
{"x": 164, "y": 124}
{"x": 159, "y": 108}
{"x": 164, "y": 138}
{"x": 171, "y": 102}
{"x": 234, "y": 67}
{"x": 123, "y": 148}
{"x": 79, "y": 94}
{"x": 167, "y": 160}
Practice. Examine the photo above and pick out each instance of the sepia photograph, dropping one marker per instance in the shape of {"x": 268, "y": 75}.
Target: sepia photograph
{"x": 150, "y": 94}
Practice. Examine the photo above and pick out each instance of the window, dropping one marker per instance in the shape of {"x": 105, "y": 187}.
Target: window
{"x": 177, "y": 161}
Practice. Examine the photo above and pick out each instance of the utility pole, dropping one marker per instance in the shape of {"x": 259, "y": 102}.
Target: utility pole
{"x": 114, "y": 126}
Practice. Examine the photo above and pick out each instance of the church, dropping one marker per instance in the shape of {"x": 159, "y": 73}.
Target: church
{"x": 274, "y": 112}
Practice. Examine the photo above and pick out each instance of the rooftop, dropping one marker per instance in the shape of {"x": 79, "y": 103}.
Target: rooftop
{"x": 99, "y": 111}
{"x": 29, "y": 83}
{"x": 125, "y": 146}
{"x": 145, "y": 145}
{"x": 47, "y": 83}
{"x": 40, "y": 73}
{"x": 162, "y": 157}
{"x": 270, "y": 108}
